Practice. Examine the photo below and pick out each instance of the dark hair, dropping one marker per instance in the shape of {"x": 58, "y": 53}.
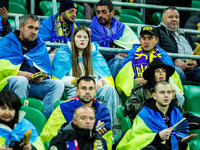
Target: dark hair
{"x": 107, "y": 3}
{"x": 24, "y": 19}
{"x": 152, "y": 82}
{"x": 12, "y": 100}
{"x": 160, "y": 82}
{"x": 170, "y": 7}
{"x": 85, "y": 78}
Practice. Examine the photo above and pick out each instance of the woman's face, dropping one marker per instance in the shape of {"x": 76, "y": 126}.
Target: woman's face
{"x": 160, "y": 74}
{"x": 7, "y": 113}
{"x": 81, "y": 40}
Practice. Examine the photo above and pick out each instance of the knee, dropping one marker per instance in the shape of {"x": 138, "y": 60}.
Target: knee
{"x": 118, "y": 60}
{"x": 18, "y": 80}
{"x": 57, "y": 84}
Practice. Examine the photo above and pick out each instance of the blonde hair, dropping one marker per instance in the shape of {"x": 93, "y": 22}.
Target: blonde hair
{"x": 87, "y": 55}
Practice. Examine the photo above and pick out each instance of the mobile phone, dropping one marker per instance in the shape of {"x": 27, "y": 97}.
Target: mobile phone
{"x": 101, "y": 126}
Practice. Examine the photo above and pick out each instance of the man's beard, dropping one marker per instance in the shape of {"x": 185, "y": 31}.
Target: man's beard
{"x": 67, "y": 20}
{"x": 105, "y": 22}
{"x": 85, "y": 101}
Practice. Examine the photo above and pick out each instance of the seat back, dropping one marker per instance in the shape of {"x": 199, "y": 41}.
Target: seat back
{"x": 81, "y": 9}
{"x": 35, "y": 117}
{"x": 58, "y": 103}
{"x": 195, "y": 4}
{"x": 33, "y": 102}
{"x": 17, "y": 8}
{"x": 21, "y": 2}
{"x": 47, "y": 6}
{"x": 190, "y": 91}
{"x": 156, "y": 16}
{"x": 132, "y": 12}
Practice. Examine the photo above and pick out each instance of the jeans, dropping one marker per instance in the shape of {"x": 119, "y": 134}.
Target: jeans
{"x": 193, "y": 75}
{"x": 49, "y": 91}
{"x": 115, "y": 65}
{"x": 106, "y": 94}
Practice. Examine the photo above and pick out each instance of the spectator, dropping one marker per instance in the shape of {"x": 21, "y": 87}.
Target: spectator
{"x": 138, "y": 60}
{"x": 59, "y": 27}
{"x": 175, "y": 40}
{"x": 79, "y": 58}
{"x": 13, "y": 125}
{"x": 22, "y": 55}
{"x": 108, "y": 32}
{"x": 79, "y": 133}
{"x": 154, "y": 123}
{"x": 86, "y": 90}
{"x": 193, "y": 23}
{"x": 5, "y": 27}
{"x": 157, "y": 71}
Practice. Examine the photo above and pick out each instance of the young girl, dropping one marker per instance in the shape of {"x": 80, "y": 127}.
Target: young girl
{"x": 79, "y": 58}
{"x": 13, "y": 125}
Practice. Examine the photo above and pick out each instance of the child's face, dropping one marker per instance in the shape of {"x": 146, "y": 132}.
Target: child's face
{"x": 81, "y": 40}
{"x": 7, "y": 113}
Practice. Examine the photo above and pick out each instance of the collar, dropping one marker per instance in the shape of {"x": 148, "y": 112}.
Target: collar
{"x": 180, "y": 31}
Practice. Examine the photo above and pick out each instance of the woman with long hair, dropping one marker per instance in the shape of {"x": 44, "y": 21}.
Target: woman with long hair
{"x": 13, "y": 125}
{"x": 79, "y": 58}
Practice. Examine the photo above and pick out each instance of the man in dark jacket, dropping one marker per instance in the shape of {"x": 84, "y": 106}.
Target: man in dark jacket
{"x": 174, "y": 40}
{"x": 80, "y": 133}
{"x": 194, "y": 23}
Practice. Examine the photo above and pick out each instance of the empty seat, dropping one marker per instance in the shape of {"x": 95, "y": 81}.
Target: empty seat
{"x": 132, "y": 12}
{"x": 17, "y": 8}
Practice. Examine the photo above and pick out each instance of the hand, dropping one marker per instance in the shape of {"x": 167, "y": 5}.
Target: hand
{"x": 37, "y": 80}
{"x": 26, "y": 74}
{"x": 123, "y": 55}
{"x": 141, "y": 81}
{"x": 164, "y": 134}
{"x": 173, "y": 92}
{"x": 90, "y": 31}
{"x": 4, "y": 14}
{"x": 99, "y": 84}
{"x": 188, "y": 138}
{"x": 26, "y": 147}
{"x": 6, "y": 148}
{"x": 180, "y": 64}
{"x": 101, "y": 130}
{"x": 191, "y": 65}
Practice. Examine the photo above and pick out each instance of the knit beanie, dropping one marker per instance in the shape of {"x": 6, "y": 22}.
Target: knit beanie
{"x": 67, "y": 4}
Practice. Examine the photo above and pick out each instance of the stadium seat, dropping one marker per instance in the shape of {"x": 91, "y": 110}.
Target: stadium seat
{"x": 35, "y": 117}
{"x": 192, "y": 96}
{"x": 195, "y": 4}
{"x": 12, "y": 23}
{"x": 194, "y": 144}
{"x": 132, "y": 12}
{"x": 156, "y": 16}
{"x": 21, "y": 2}
{"x": 33, "y": 102}
{"x": 47, "y": 6}
{"x": 58, "y": 103}
{"x": 124, "y": 18}
{"x": 125, "y": 121}
{"x": 17, "y": 8}
{"x": 190, "y": 83}
{"x": 81, "y": 9}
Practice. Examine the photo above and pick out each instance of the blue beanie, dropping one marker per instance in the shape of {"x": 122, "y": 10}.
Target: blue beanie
{"x": 67, "y": 4}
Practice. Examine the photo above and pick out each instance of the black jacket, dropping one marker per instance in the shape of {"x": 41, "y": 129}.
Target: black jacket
{"x": 193, "y": 23}
{"x": 69, "y": 132}
{"x": 167, "y": 41}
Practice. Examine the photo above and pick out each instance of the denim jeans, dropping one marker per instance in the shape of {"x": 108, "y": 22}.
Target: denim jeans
{"x": 193, "y": 75}
{"x": 115, "y": 65}
{"x": 106, "y": 94}
{"x": 49, "y": 91}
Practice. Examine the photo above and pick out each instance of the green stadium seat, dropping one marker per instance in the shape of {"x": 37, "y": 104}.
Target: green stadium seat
{"x": 194, "y": 144}
{"x": 47, "y": 6}
{"x": 124, "y": 18}
{"x": 12, "y": 23}
{"x": 125, "y": 121}
{"x": 21, "y": 2}
{"x": 132, "y": 12}
{"x": 195, "y": 4}
{"x": 58, "y": 103}
{"x": 192, "y": 96}
{"x": 35, "y": 117}
{"x": 190, "y": 83}
{"x": 156, "y": 16}
{"x": 81, "y": 9}
{"x": 17, "y": 8}
{"x": 33, "y": 102}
